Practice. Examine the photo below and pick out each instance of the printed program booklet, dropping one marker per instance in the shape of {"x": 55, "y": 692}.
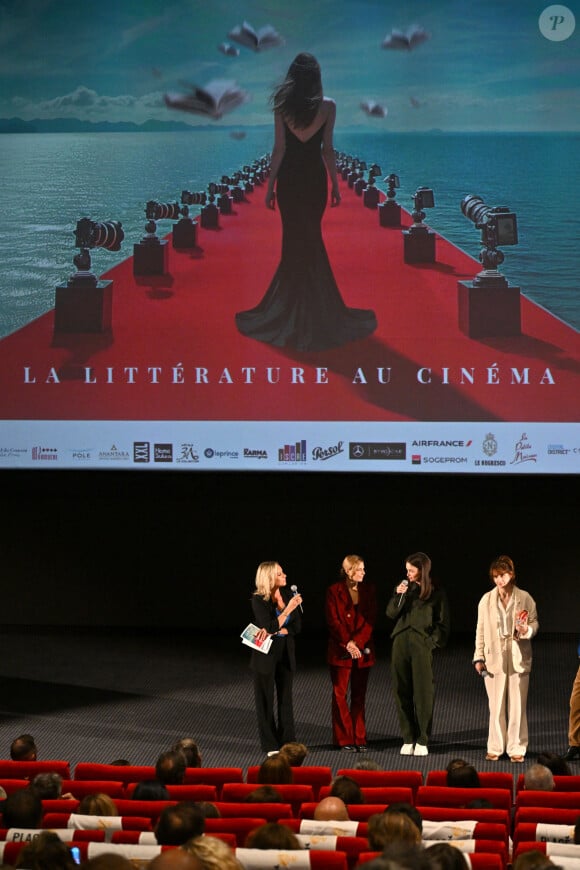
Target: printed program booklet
{"x": 248, "y": 636}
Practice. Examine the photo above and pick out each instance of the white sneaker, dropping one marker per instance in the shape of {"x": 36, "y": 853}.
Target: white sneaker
{"x": 420, "y": 749}
{"x": 407, "y": 749}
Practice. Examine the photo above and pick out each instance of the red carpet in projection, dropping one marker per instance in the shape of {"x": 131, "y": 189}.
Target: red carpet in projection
{"x": 180, "y": 327}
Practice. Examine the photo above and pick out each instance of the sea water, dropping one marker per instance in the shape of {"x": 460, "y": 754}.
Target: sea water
{"x": 50, "y": 181}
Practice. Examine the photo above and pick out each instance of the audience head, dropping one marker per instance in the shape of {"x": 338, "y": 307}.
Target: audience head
{"x": 295, "y": 753}
{"x": 346, "y": 788}
{"x": 190, "y": 749}
{"x": 272, "y": 835}
{"x": 179, "y": 823}
{"x": 208, "y": 810}
{"x": 175, "y": 859}
{"x": 460, "y": 774}
{"x": 539, "y": 778}
{"x": 479, "y": 804}
{"x": 170, "y": 767}
{"x": 331, "y": 809}
{"x": 276, "y": 770}
{"x": 150, "y": 790}
{"x": 409, "y": 810}
{"x": 109, "y": 861}
{"x": 264, "y": 794}
{"x": 48, "y": 786}
{"x": 22, "y": 809}
{"x": 385, "y": 829}
{"x": 97, "y": 804}
{"x": 368, "y": 764}
{"x": 532, "y": 860}
{"x": 46, "y": 852}
{"x": 399, "y": 857}
{"x": 212, "y": 854}
{"x": 23, "y": 748}
{"x": 444, "y": 856}
{"x": 555, "y": 763}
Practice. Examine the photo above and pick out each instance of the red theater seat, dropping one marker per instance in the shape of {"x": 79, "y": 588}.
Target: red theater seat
{"x": 317, "y": 860}
{"x": 443, "y": 796}
{"x": 117, "y": 772}
{"x": 356, "y": 812}
{"x": 12, "y": 785}
{"x": 559, "y": 853}
{"x": 29, "y": 769}
{"x": 81, "y": 787}
{"x": 152, "y": 809}
{"x": 549, "y": 815}
{"x": 272, "y": 812}
{"x": 182, "y": 792}
{"x": 488, "y": 779}
{"x": 545, "y": 832}
{"x": 240, "y": 828}
{"x": 374, "y": 778}
{"x": 314, "y": 775}
{"x": 128, "y": 823}
{"x": 477, "y": 860}
{"x": 451, "y": 814}
{"x": 481, "y": 830}
{"x": 304, "y": 826}
{"x": 66, "y": 834}
{"x": 380, "y": 794}
{"x": 561, "y": 783}
{"x": 292, "y": 794}
{"x": 554, "y": 799}
{"x": 351, "y": 846}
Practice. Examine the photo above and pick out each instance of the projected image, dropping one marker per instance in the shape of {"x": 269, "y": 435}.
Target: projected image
{"x": 325, "y": 236}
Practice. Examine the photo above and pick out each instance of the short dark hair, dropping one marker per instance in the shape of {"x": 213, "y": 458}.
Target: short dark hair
{"x": 170, "y": 767}
{"x": 22, "y": 809}
{"x": 22, "y": 748}
{"x": 409, "y": 810}
{"x": 190, "y": 749}
{"x": 48, "y": 786}
{"x": 150, "y": 790}
{"x": 346, "y": 788}
{"x": 179, "y": 823}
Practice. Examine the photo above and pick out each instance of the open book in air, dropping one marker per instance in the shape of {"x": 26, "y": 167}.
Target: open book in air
{"x": 248, "y": 636}
{"x": 265, "y": 37}
{"x": 214, "y": 99}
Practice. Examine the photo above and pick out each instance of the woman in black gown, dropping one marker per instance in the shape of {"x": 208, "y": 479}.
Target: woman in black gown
{"x": 303, "y": 308}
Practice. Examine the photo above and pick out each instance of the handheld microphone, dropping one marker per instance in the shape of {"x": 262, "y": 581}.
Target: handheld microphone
{"x": 364, "y": 651}
{"x": 402, "y": 595}
{"x": 294, "y": 591}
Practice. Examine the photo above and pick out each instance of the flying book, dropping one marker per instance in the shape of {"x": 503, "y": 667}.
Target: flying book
{"x": 214, "y": 99}
{"x": 229, "y": 50}
{"x": 408, "y": 40}
{"x": 265, "y": 37}
{"x": 370, "y": 107}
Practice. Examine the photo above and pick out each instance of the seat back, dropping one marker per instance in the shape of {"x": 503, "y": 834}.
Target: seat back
{"x": 555, "y": 799}
{"x": 293, "y": 794}
{"x": 25, "y": 835}
{"x": 356, "y": 812}
{"x": 530, "y": 831}
{"x": 240, "y": 828}
{"x": 81, "y": 787}
{"x": 444, "y": 796}
{"x": 380, "y": 794}
{"x": 375, "y": 778}
{"x": 181, "y": 792}
{"x": 29, "y": 769}
{"x": 314, "y": 775}
{"x": 488, "y": 779}
{"x": 252, "y": 859}
{"x": 272, "y": 812}
{"x": 118, "y": 772}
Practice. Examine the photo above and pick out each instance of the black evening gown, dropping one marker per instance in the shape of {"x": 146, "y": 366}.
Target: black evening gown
{"x": 303, "y": 308}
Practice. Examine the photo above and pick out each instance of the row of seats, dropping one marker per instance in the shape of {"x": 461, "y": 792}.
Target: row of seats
{"x": 317, "y": 776}
{"x": 329, "y": 851}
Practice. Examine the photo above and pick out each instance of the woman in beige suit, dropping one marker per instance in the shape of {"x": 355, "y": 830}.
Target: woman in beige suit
{"x": 506, "y": 622}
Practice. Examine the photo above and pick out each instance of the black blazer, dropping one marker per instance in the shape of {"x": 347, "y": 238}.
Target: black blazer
{"x": 283, "y": 648}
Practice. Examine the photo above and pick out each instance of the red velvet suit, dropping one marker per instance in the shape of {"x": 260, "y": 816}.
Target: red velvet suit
{"x": 347, "y": 622}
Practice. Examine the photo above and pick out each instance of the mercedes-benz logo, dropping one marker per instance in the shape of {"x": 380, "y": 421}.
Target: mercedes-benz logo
{"x": 358, "y": 451}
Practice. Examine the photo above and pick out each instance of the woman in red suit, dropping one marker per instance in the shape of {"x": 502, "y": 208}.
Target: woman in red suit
{"x": 351, "y": 610}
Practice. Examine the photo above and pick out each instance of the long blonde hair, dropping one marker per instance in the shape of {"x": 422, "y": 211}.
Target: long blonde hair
{"x": 266, "y": 579}
{"x": 349, "y": 565}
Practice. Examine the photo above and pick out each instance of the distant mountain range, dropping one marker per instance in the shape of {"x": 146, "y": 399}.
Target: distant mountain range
{"x": 74, "y": 125}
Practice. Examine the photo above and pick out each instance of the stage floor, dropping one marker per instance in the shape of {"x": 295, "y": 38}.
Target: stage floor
{"x": 89, "y": 695}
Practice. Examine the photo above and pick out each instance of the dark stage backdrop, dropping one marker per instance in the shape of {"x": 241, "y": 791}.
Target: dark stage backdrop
{"x": 172, "y": 550}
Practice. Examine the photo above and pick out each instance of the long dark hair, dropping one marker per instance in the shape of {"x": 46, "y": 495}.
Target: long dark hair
{"x": 299, "y": 96}
{"x": 423, "y": 563}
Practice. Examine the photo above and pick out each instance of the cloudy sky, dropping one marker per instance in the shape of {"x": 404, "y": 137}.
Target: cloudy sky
{"x": 485, "y": 66}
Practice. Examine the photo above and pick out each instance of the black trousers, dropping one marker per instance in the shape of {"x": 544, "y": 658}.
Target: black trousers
{"x": 279, "y": 681}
